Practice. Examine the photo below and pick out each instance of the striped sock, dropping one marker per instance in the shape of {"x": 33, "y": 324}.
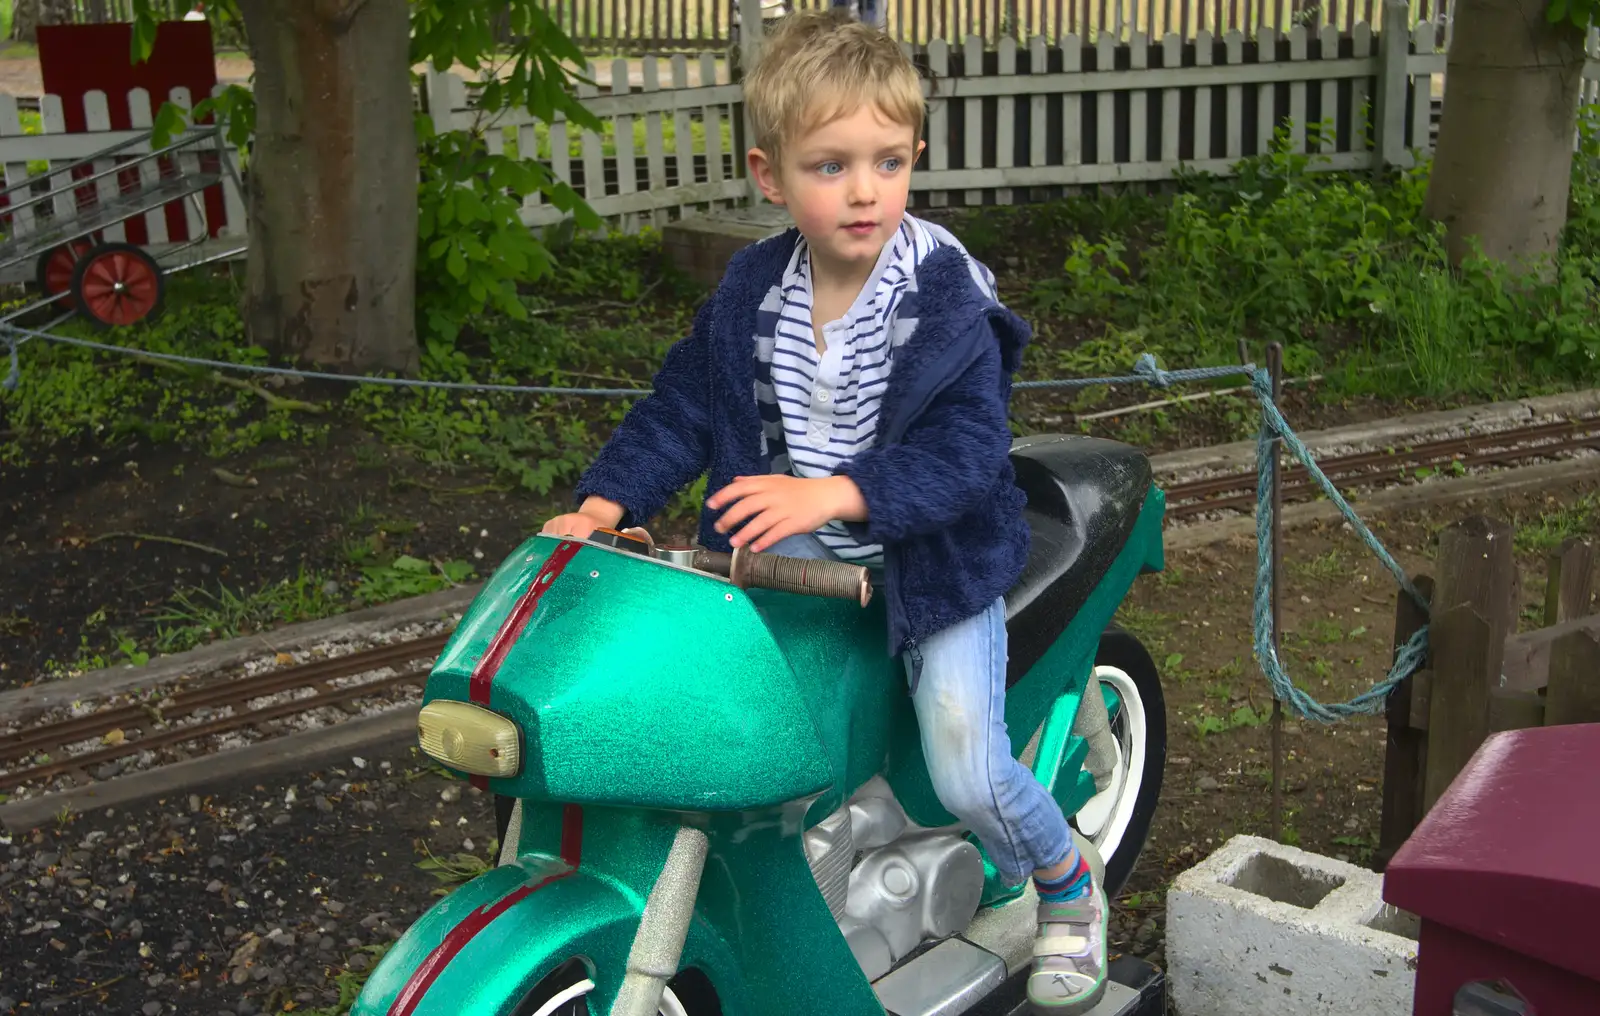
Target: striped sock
{"x": 1071, "y": 886}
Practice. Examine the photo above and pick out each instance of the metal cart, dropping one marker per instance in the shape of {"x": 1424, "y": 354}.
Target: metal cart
{"x": 49, "y": 218}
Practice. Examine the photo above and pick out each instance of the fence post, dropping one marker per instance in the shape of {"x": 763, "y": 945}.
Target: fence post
{"x": 1389, "y": 123}
{"x": 440, "y": 100}
{"x": 1406, "y": 748}
{"x": 1567, "y": 592}
{"x": 1473, "y": 611}
{"x": 750, "y": 31}
{"x": 1573, "y": 692}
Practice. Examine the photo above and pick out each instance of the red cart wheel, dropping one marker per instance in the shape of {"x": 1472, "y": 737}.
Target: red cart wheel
{"x": 55, "y": 267}
{"x": 117, "y": 284}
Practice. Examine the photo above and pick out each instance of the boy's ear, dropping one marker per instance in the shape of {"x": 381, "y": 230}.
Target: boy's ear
{"x": 765, "y": 174}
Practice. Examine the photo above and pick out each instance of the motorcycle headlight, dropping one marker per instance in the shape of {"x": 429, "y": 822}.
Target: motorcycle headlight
{"x": 470, "y": 738}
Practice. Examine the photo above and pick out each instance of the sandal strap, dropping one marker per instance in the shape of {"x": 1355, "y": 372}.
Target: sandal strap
{"x": 1079, "y": 911}
{"x": 1060, "y": 947}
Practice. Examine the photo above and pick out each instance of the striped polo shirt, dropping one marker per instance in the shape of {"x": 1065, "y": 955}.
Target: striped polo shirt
{"x": 827, "y": 404}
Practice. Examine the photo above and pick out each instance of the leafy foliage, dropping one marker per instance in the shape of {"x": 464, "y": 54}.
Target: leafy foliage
{"x": 1345, "y": 270}
{"x": 473, "y": 248}
{"x": 1580, "y": 14}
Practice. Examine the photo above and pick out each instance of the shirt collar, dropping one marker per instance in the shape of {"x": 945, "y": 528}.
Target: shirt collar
{"x": 905, "y": 249}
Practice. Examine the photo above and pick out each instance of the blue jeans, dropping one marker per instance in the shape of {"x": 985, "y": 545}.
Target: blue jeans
{"x": 960, "y": 701}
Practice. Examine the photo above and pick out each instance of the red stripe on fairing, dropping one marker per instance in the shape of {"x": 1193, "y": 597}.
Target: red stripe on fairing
{"x": 428, "y": 971}
{"x": 511, "y": 629}
{"x": 572, "y": 834}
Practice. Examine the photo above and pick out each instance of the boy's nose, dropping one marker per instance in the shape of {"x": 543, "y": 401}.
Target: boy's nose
{"x": 863, "y": 190}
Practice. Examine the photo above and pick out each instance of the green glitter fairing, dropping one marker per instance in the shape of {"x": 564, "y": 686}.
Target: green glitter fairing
{"x": 653, "y": 696}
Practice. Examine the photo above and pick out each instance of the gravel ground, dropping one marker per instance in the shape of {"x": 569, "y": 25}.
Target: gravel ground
{"x": 248, "y": 898}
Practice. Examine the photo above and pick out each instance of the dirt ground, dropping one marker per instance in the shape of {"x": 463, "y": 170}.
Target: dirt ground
{"x": 89, "y": 560}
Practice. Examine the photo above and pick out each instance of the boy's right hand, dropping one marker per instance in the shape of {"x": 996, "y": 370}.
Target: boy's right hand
{"x": 596, "y": 513}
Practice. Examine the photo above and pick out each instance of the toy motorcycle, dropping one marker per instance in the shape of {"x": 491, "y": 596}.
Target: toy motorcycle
{"x": 710, "y": 782}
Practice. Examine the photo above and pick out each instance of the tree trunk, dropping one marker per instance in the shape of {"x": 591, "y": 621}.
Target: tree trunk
{"x": 332, "y": 185}
{"x": 1503, "y": 166}
{"x": 28, "y": 15}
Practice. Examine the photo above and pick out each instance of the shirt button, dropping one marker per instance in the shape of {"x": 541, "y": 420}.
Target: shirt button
{"x": 822, "y": 396}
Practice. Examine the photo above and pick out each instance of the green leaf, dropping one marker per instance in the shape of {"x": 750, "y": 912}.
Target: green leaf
{"x": 406, "y": 563}
{"x": 455, "y": 264}
{"x": 469, "y": 207}
{"x": 169, "y": 121}
{"x": 144, "y": 32}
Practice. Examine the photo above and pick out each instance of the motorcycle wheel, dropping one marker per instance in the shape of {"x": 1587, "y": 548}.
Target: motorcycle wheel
{"x": 1117, "y": 821}
{"x": 564, "y": 993}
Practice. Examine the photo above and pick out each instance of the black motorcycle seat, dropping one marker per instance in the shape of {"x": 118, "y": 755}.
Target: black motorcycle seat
{"x": 1084, "y": 496}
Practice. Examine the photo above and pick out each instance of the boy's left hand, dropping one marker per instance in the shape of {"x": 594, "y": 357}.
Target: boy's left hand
{"x": 778, "y": 506}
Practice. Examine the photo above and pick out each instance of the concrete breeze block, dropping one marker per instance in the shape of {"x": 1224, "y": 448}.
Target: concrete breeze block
{"x": 1263, "y": 929}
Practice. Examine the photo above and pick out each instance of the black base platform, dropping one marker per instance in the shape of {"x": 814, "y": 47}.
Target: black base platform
{"x": 1136, "y": 989}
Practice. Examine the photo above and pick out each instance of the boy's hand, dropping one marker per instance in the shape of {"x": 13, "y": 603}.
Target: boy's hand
{"x": 778, "y": 506}
{"x": 596, "y": 513}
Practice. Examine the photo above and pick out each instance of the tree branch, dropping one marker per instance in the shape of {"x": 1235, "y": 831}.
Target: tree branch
{"x": 155, "y": 538}
{"x": 272, "y": 401}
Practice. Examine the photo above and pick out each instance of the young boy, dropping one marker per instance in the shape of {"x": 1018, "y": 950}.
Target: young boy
{"x": 846, "y": 387}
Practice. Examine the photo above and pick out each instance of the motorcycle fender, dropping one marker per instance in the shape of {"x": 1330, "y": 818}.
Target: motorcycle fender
{"x": 482, "y": 949}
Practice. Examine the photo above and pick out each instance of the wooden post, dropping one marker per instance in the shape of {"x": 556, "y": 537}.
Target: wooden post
{"x": 1389, "y": 114}
{"x": 1573, "y": 694}
{"x": 1475, "y": 566}
{"x": 1466, "y": 663}
{"x": 1473, "y": 611}
{"x": 1405, "y": 749}
{"x": 1571, "y": 582}
{"x": 1514, "y": 710}
{"x": 750, "y": 29}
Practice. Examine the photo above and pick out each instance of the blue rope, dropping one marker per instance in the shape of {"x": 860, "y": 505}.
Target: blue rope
{"x": 1145, "y": 371}
{"x": 250, "y": 368}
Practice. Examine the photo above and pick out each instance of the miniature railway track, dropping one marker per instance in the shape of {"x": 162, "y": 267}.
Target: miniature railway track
{"x": 154, "y": 719}
{"x": 150, "y": 725}
{"x": 1238, "y": 492}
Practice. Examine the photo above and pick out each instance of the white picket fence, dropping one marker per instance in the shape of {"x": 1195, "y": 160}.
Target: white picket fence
{"x": 1011, "y": 123}
{"x": 1020, "y": 122}
{"x": 699, "y": 167}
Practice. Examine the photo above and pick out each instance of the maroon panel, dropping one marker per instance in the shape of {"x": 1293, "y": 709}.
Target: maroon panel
{"x": 1508, "y": 855}
{"x": 74, "y": 59}
{"x": 1447, "y": 959}
{"x": 77, "y": 59}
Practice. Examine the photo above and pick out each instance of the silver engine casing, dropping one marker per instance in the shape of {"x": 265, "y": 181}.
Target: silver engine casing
{"x": 894, "y": 887}
{"x": 891, "y": 884}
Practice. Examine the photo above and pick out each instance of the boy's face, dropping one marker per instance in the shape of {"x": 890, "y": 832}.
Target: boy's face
{"x": 845, "y": 183}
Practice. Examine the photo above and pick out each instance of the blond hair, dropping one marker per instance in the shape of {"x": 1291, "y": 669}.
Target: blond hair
{"x": 818, "y": 66}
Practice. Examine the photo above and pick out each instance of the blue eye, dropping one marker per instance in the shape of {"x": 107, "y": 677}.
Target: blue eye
{"x": 830, "y": 169}
{"x": 892, "y": 165}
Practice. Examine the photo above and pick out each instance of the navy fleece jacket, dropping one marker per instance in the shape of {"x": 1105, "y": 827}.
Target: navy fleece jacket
{"x": 940, "y": 491}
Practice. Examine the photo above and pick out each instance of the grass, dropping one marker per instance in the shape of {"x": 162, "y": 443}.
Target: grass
{"x": 1550, "y": 529}
{"x": 196, "y": 615}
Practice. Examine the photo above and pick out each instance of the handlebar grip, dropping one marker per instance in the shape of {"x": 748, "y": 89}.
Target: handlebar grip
{"x": 807, "y": 576}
